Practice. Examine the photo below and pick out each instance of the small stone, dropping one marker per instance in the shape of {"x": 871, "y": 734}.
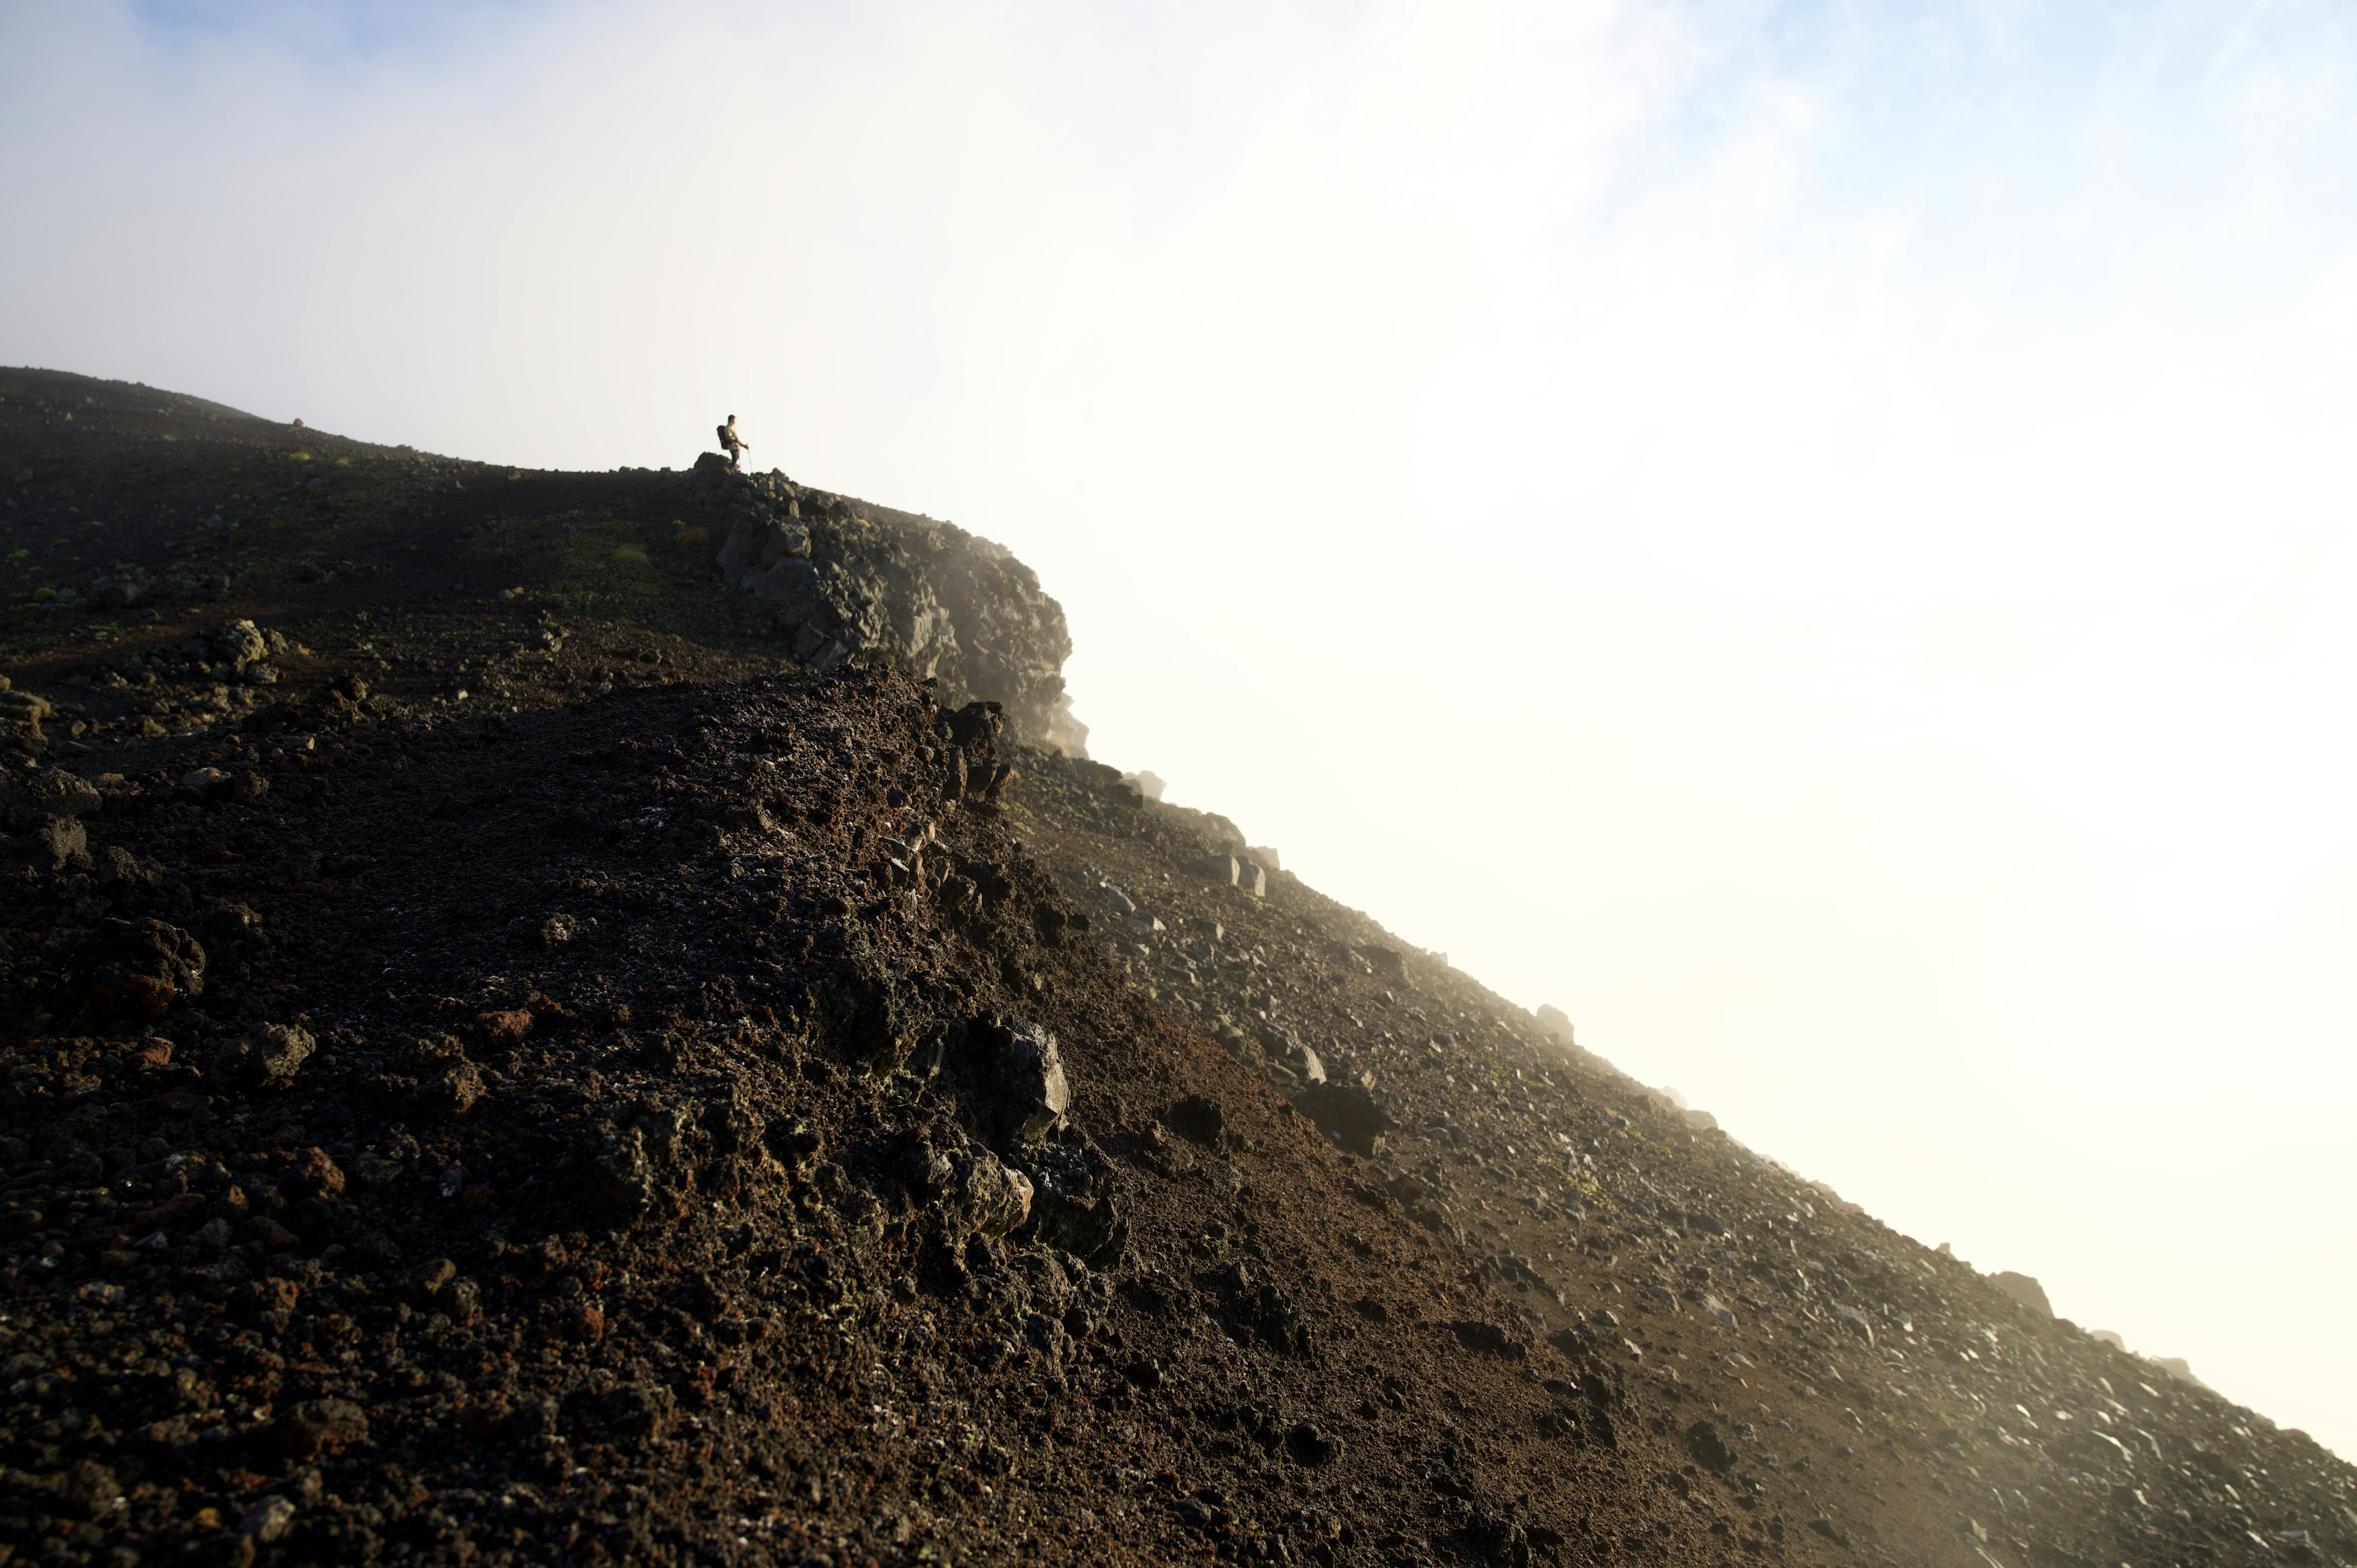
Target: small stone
{"x": 505, "y": 1029}
{"x": 1709, "y": 1450}
{"x": 1857, "y": 1320}
{"x": 449, "y": 1084}
{"x": 267, "y": 1058}
{"x": 559, "y": 930}
{"x": 268, "y": 1519}
{"x": 1488, "y": 1339}
{"x": 92, "y": 1488}
{"x": 56, "y": 843}
{"x": 320, "y": 1426}
{"x": 991, "y": 1197}
{"x": 428, "y": 1279}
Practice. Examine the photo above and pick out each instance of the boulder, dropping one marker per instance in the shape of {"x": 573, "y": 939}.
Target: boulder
{"x": 1015, "y": 1092}
{"x": 1348, "y": 1114}
{"x": 867, "y": 584}
{"x": 2025, "y": 1291}
{"x": 1076, "y": 1201}
{"x": 1220, "y": 870}
{"x": 1555, "y": 1022}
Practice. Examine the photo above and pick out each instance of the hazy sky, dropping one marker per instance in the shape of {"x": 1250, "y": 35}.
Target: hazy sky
{"x": 1817, "y": 537}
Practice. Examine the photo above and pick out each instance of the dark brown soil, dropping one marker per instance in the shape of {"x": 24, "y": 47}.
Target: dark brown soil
{"x": 642, "y": 1197}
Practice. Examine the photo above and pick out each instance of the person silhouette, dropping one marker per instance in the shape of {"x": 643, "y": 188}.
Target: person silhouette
{"x": 732, "y": 442}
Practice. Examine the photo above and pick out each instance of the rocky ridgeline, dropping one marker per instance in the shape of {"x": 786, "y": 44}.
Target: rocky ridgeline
{"x": 867, "y": 584}
{"x": 480, "y": 1087}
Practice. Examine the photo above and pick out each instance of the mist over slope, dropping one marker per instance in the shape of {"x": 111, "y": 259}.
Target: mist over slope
{"x": 535, "y": 1032}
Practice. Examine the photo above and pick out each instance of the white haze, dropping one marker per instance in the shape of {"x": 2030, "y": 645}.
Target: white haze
{"x": 1818, "y": 539}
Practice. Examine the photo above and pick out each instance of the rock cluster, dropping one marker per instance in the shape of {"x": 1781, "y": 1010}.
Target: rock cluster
{"x": 866, "y": 585}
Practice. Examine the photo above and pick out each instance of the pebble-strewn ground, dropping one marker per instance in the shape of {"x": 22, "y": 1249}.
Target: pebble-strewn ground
{"x": 1846, "y": 1375}
{"x": 496, "y": 1064}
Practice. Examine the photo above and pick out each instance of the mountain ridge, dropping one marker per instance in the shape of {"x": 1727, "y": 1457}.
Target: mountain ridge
{"x": 507, "y": 1061}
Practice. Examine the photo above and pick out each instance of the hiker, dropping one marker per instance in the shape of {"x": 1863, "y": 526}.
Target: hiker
{"x": 732, "y": 442}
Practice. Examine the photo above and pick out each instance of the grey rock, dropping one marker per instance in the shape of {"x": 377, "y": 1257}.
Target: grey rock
{"x": 1855, "y": 1319}
{"x": 2025, "y": 1291}
{"x": 1281, "y": 1047}
{"x": 269, "y": 1518}
{"x": 1046, "y": 1283}
{"x": 861, "y": 583}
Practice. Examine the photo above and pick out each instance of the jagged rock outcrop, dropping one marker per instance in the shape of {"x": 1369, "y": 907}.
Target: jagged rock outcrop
{"x": 856, "y": 584}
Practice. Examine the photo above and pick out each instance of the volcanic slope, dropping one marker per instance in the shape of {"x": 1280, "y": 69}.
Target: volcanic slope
{"x": 1808, "y": 1362}
{"x": 692, "y": 1125}
{"x": 501, "y": 1064}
